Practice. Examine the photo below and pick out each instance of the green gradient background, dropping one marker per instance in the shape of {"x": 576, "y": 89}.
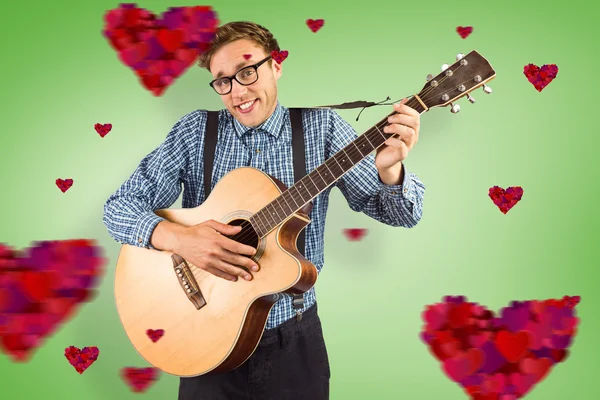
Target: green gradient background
{"x": 60, "y": 77}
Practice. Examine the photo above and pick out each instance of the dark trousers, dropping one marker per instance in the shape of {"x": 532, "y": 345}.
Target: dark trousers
{"x": 290, "y": 363}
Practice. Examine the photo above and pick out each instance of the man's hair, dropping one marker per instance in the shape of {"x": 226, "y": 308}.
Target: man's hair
{"x": 233, "y": 31}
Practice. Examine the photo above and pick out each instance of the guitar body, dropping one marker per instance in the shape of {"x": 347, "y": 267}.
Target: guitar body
{"x": 224, "y": 331}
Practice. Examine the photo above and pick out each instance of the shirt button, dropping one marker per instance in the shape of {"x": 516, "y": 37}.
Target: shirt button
{"x": 393, "y": 192}
{"x": 139, "y": 240}
{"x": 257, "y": 150}
{"x": 405, "y": 190}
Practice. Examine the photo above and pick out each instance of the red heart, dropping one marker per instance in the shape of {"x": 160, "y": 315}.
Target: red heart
{"x": 464, "y": 31}
{"x": 315, "y": 24}
{"x": 540, "y": 77}
{"x": 355, "y": 234}
{"x": 103, "y": 129}
{"x": 143, "y": 40}
{"x": 139, "y": 379}
{"x": 64, "y": 185}
{"x": 279, "y": 56}
{"x": 496, "y": 357}
{"x": 538, "y": 367}
{"x": 154, "y": 335}
{"x": 505, "y": 199}
{"x": 41, "y": 288}
{"x": 247, "y": 56}
{"x": 81, "y": 359}
{"x": 513, "y": 346}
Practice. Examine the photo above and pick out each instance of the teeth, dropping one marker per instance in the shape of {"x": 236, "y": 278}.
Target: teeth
{"x": 246, "y": 105}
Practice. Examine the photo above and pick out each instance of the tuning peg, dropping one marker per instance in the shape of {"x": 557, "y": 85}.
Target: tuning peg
{"x": 471, "y": 99}
{"x": 444, "y": 67}
{"x": 455, "y": 108}
{"x": 429, "y": 77}
{"x": 459, "y": 56}
{"x": 487, "y": 89}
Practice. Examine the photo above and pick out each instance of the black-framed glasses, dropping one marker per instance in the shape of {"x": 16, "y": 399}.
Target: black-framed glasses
{"x": 245, "y": 76}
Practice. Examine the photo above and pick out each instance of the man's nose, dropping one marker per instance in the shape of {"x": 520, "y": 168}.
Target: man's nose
{"x": 237, "y": 89}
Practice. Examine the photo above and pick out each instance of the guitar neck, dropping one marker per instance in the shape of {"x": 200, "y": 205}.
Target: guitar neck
{"x": 310, "y": 186}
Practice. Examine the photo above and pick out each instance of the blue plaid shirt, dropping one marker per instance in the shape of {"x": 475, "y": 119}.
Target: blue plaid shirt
{"x": 157, "y": 181}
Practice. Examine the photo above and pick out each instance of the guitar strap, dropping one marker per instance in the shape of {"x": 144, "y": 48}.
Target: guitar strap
{"x": 298, "y": 155}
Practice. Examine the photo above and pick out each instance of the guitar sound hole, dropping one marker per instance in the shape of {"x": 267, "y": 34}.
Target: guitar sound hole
{"x": 247, "y": 235}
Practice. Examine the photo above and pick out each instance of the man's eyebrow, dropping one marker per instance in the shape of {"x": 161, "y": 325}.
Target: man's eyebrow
{"x": 237, "y": 68}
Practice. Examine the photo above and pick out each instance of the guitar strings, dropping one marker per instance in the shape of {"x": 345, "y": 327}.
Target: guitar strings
{"x": 352, "y": 151}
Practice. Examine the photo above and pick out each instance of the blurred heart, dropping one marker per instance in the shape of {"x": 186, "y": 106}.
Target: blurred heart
{"x": 139, "y": 379}
{"x": 355, "y": 234}
{"x": 315, "y": 24}
{"x": 41, "y": 288}
{"x": 498, "y": 359}
{"x": 144, "y": 41}
{"x": 464, "y": 31}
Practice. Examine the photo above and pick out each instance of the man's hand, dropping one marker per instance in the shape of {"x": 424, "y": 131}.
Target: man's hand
{"x": 389, "y": 157}
{"x": 207, "y": 247}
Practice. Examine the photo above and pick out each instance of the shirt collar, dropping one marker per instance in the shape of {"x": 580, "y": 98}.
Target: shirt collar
{"x": 272, "y": 125}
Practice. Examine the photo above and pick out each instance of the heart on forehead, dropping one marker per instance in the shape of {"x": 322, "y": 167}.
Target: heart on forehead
{"x": 540, "y": 77}
{"x": 505, "y": 199}
{"x": 41, "y": 288}
{"x": 159, "y": 50}
{"x": 499, "y": 356}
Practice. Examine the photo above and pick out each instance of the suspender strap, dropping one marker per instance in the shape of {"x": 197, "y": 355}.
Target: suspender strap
{"x": 210, "y": 144}
{"x": 299, "y": 157}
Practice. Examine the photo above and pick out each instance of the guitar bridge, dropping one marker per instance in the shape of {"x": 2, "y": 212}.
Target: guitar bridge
{"x": 188, "y": 281}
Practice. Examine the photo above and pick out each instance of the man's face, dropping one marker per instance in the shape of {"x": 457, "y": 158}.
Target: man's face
{"x": 227, "y": 61}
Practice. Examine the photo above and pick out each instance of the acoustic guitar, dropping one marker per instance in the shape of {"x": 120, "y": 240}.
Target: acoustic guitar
{"x": 211, "y": 324}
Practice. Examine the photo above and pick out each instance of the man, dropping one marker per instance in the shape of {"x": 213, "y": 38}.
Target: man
{"x": 291, "y": 360}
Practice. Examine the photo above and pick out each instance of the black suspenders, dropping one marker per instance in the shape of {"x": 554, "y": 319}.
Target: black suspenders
{"x": 299, "y": 160}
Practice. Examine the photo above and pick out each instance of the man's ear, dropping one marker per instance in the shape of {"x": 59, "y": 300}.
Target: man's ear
{"x": 276, "y": 69}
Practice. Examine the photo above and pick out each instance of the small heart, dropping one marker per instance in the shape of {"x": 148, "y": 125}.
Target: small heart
{"x": 64, "y": 185}
{"x": 279, "y": 56}
{"x": 505, "y": 199}
{"x": 464, "y": 31}
{"x": 315, "y": 24}
{"x": 154, "y": 335}
{"x": 540, "y": 77}
{"x": 512, "y": 345}
{"x": 103, "y": 129}
{"x": 355, "y": 234}
{"x": 81, "y": 359}
{"x": 247, "y": 56}
{"x": 139, "y": 379}
{"x": 538, "y": 367}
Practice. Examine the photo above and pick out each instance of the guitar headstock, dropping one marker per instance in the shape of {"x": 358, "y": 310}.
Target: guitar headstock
{"x": 457, "y": 80}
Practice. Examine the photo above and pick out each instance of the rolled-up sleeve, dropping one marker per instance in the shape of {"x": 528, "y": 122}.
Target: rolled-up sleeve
{"x": 155, "y": 184}
{"x": 394, "y": 205}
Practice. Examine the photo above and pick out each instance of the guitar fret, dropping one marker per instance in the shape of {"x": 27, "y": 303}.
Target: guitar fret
{"x": 289, "y": 194}
{"x": 321, "y": 176}
{"x": 288, "y": 204}
{"x": 381, "y": 133}
{"x": 358, "y": 148}
{"x": 316, "y": 187}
